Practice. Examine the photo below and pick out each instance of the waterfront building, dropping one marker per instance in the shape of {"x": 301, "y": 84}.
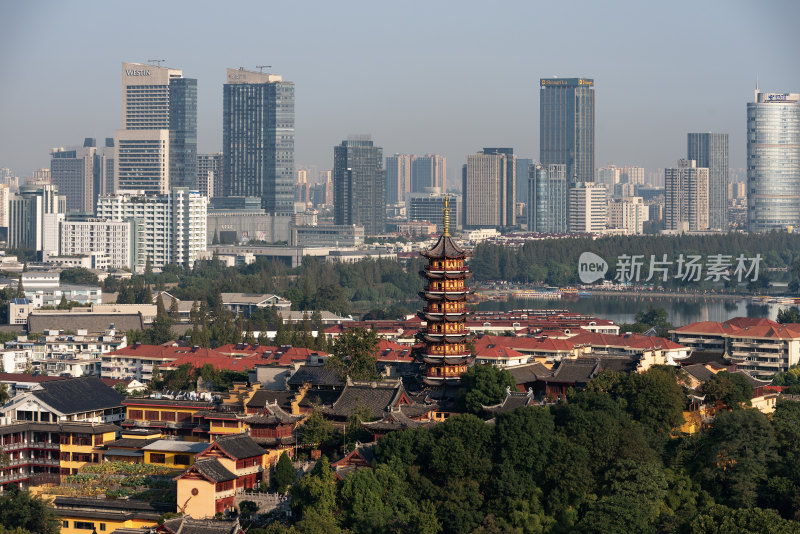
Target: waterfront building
{"x": 586, "y": 208}
{"x": 489, "y": 188}
{"x": 566, "y": 126}
{"x": 157, "y": 146}
{"x": 358, "y": 185}
{"x": 446, "y": 354}
{"x": 258, "y": 139}
{"x": 773, "y": 162}
{"x": 710, "y": 151}
{"x": 686, "y": 197}
{"x": 174, "y": 224}
{"x": 547, "y": 193}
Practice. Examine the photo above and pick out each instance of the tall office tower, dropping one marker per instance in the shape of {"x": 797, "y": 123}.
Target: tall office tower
{"x": 523, "y": 171}
{"x": 586, "y": 208}
{"x": 628, "y": 214}
{"x": 171, "y": 228}
{"x": 686, "y": 197}
{"x": 208, "y": 174}
{"x": 5, "y": 195}
{"x": 157, "y": 145}
{"x": 428, "y": 171}
{"x": 398, "y": 178}
{"x": 73, "y": 170}
{"x": 710, "y": 151}
{"x": 104, "y": 170}
{"x": 566, "y": 126}
{"x": 632, "y": 175}
{"x": 489, "y": 185}
{"x": 40, "y": 177}
{"x": 773, "y": 162}
{"x": 359, "y": 196}
{"x": 547, "y": 192}
{"x": 430, "y": 207}
{"x": 34, "y": 216}
{"x": 608, "y": 176}
{"x": 258, "y": 139}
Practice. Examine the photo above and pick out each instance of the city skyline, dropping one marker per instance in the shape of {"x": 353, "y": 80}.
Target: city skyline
{"x": 643, "y": 110}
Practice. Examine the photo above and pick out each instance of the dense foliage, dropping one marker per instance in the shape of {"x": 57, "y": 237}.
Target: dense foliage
{"x": 22, "y": 512}
{"x": 606, "y": 461}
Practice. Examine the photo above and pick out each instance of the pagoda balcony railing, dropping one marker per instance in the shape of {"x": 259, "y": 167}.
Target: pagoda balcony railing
{"x": 454, "y": 270}
{"x": 456, "y": 310}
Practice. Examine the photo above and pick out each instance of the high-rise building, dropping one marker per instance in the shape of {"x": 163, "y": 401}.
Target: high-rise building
{"x": 430, "y": 207}
{"x": 258, "y": 139}
{"x": 773, "y": 162}
{"x": 116, "y": 240}
{"x": 33, "y": 218}
{"x": 586, "y": 208}
{"x": 208, "y": 174}
{"x": 547, "y": 195}
{"x": 74, "y": 170}
{"x": 398, "y": 178}
{"x": 632, "y": 175}
{"x": 157, "y": 146}
{"x": 566, "y": 126}
{"x": 710, "y": 151}
{"x": 427, "y": 172}
{"x": 489, "y": 189}
{"x": 686, "y": 197}
{"x": 523, "y": 171}
{"x": 608, "y": 176}
{"x": 104, "y": 170}
{"x": 628, "y": 214}
{"x": 5, "y": 195}
{"x": 173, "y": 226}
{"x": 359, "y": 180}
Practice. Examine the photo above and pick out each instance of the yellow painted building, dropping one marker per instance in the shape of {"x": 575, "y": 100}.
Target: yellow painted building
{"x": 82, "y": 444}
{"x": 172, "y": 454}
{"x": 79, "y": 515}
{"x": 169, "y": 416}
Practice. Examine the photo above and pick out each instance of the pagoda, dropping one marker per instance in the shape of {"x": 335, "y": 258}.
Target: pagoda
{"x": 446, "y": 355}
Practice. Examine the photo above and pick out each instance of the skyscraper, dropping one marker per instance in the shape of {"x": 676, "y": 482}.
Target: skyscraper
{"x": 73, "y": 170}
{"x": 157, "y": 145}
{"x": 566, "y": 126}
{"x": 710, "y": 151}
{"x": 547, "y": 195}
{"x": 523, "y": 171}
{"x": 428, "y": 171}
{"x": 398, "y": 178}
{"x": 686, "y": 197}
{"x": 489, "y": 187}
{"x": 209, "y": 181}
{"x": 359, "y": 196}
{"x": 587, "y": 208}
{"x": 258, "y": 139}
{"x": 773, "y": 162}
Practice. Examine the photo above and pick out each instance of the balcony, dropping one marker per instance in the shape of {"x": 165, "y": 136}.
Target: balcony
{"x": 224, "y": 494}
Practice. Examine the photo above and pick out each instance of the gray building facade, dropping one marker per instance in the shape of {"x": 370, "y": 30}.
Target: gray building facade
{"x": 547, "y": 194}
{"x": 773, "y": 162}
{"x": 566, "y": 126}
{"x": 710, "y": 150}
{"x": 258, "y": 139}
{"x": 359, "y": 183}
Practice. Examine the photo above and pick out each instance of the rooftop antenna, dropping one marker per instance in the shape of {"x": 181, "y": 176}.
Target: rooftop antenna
{"x": 262, "y": 67}
{"x": 756, "y": 82}
{"x": 156, "y": 62}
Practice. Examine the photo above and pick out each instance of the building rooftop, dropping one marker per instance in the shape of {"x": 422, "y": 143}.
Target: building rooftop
{"x": 75, "y": 395}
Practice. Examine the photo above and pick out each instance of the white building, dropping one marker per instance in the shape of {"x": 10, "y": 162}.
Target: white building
{"x": 586, "y": 208}
{"x": 15, "y": 360}
{"x": 686, "y": 197}
{"x": 173, "y": 226}
{"x": 116, "y": 240}
{"x": 627, "y": 214}
{"x": 608, "y": 176}
{"x": 632, "y": 175}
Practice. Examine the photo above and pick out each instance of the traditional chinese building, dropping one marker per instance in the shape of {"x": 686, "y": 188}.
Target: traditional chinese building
{"x": 445, "y": 354}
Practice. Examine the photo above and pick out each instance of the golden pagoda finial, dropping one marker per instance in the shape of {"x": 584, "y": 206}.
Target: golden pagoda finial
{"x": 446, "y": 211}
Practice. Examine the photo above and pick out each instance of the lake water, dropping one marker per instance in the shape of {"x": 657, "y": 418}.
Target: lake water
{"x": 622, "y": 309}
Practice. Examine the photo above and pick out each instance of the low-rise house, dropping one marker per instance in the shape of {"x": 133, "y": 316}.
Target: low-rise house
{"x": 374, "y": 398}
{"x": 81, "y": 515}
{"x": 170, "y": 416}
{"x": 246, "y": 303}
{"x": 171, "y": 453}
{"x": 274, "y": 429}
{"x": 361, "y": 457}
{"x": 512, "y": 401}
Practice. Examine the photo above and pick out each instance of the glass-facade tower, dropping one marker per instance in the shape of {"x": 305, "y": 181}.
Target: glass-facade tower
{"x": 183, "y": 132}
{"x": 258, "y": 139}
{"x": 359, "y": 195}
{"x": 566, "y": 126}
{"x": 547, "y": 196}
{"x": 710, "y": 150}
{"x": 773, "y": 162}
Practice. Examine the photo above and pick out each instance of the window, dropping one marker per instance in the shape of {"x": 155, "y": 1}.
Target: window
{"x": 84, "y": 525}
{"x": 156, "y": 458}
{"x": 98, "y": 439}
{"x": 151, "y": 415}
{"x": 182, "y": 459}
{"x": 102, "y": 526}
{"x": 65, "y": 524}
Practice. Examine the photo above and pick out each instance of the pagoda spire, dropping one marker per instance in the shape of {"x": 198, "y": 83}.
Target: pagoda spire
{"x": 446, "y": 210}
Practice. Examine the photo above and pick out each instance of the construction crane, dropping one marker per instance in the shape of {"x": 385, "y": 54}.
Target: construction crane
{"x": 262, "y": 67}
{"x": 156, "y": 62}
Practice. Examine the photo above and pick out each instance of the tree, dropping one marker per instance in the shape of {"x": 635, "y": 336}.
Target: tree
{"x": 353, "y": 354}
{"x": 4, "y": 396}
{"x": 284, "y": 474}
{"x": 316, "y": 429}
{"x": 731, "y": 389}
{"x": 121, "y": 388}
{"x": 20, "y": 509}
{"x": 161, "y": 328}
{"x": 315, "y": 494}
{"x": 79, "y": 276}
{"x": 723, "y": 520}
{"x": 247, "y": 508}
{"x": 483, "y": 385}
{"x": 789, "y": 315}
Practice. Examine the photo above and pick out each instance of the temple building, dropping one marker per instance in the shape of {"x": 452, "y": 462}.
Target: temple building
{"x": 446, "y": 354}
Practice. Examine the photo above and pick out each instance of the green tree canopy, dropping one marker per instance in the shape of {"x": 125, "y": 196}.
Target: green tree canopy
{"x": 731, "y": 389}
{"x": 353, "y": 354}
{"x": 20, "y": 509}
{"x": 284, "y": 475}
{"x": 483, "y": 385}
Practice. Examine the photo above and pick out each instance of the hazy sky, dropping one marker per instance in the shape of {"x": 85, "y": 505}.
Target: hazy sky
{"x": 438, "y": 77}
